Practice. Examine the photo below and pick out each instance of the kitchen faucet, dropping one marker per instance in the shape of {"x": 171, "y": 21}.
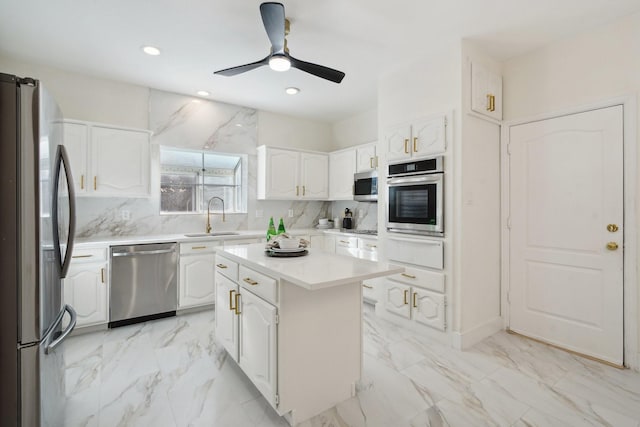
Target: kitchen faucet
{"x": 209, "y": 212}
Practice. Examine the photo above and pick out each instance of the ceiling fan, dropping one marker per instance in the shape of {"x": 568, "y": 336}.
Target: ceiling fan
{"x": 277, "y": 27}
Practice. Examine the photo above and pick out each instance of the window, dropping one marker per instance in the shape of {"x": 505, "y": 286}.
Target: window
{"x": 188, "y": 180}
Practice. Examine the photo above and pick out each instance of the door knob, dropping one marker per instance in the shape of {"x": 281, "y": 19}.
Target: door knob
{"x": 612, "y": 228}
{"x": 612, "y": 246}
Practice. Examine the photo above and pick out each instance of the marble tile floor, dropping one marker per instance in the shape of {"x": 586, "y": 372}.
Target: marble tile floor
{"x": 171, "y": 372}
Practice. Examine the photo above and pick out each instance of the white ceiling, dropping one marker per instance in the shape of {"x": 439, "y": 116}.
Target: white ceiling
{"x": 363, "y": 38}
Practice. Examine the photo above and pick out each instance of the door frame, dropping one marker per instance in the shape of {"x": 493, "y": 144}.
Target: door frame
{"x": 630, "y": 286}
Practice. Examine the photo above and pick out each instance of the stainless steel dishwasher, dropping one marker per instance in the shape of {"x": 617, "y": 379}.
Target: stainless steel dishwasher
{"x": 143, "y": 283}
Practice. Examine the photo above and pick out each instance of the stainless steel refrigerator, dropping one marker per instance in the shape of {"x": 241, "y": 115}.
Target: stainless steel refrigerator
{"x": 37, "y": 224}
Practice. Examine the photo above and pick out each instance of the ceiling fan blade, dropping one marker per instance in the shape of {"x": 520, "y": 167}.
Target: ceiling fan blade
{"x": 228, "y": 72}
{"x": 317, "y": 70}
{"x": 273, "y": 20}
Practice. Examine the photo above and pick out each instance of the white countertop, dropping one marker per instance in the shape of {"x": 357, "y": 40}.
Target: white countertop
{"x": 317, "y": 270}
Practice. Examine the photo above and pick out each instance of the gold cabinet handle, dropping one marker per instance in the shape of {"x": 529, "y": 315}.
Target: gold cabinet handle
{"x": 95, "y": 182}
{"x": 415, "y": 144}
{"x": 304, "y": 190}
{"x": 491, "y": 102}
{"x": 406, "y": 146}
{"x": 415, "y": 302}
{"x": 371, "y": 246}
{"x": 612, "y": 228}
{"x": 198, "y": 247}
{"x": 249, "y": 281}
{"x": 237, "y": 308}
{"x": 102, "y": 274}
{"x": 409, "y": 276}
{"x": 81, "y": 256}
{"x": 612, "y": 246}
{"x": 82, "y": 182}
{"x": 406, "y": 294}
{"x": 221, "y": 266}
{"x": 367, "y": 286}
{"x": 231, "y": 307}
{"x": 297, "y": 190}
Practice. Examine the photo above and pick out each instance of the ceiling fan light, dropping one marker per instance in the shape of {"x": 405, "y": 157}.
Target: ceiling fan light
{"x": 279, "y": 63}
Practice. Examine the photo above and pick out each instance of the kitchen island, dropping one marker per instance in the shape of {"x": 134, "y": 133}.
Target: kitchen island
{"x": 294, "y": 325}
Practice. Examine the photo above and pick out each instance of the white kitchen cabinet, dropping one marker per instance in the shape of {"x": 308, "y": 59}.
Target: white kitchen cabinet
{"x": 108, "y": 161}
{"x": 486, "y": 91}
{"x": 342, "y": 166}
{"x": 258, "y": 343}
{"x": 412, "y": 302}
{"x": 292, "y": 175}
{"x": 421, "y": 138}
{"x": 197, "y": 272}
{"x": 226, "y": 317}
{"x": 347, "y": 246}
{"x": 366, "y": 158}
{"x": 86, "y": 286}
{"x": 416, "y": 251}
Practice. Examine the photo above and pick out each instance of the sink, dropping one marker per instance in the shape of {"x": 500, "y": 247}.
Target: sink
{"x": 215, "y": 233}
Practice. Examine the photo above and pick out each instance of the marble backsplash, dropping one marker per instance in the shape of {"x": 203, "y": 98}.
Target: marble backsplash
{"x": 182, "y": 121}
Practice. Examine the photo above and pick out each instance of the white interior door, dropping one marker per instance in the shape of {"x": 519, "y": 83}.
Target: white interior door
{"x": 566, "y": 210}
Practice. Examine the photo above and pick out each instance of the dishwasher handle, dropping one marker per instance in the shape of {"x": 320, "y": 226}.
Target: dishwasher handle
{"x": 157, "y": 252}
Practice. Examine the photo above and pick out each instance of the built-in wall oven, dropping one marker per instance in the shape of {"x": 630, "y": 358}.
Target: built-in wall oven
{"x": 415, "y": 201}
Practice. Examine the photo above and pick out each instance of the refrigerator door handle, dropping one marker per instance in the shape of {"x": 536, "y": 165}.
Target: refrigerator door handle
{"x": 72, "y": 324}
{"x": 62, "y": 160}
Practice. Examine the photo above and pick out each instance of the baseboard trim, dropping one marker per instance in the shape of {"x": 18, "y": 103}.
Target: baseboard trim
{"x": 465, "y": 340}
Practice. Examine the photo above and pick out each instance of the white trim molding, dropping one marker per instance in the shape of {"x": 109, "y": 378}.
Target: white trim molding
{"x": 631, "y": 315}
{"x": 467, "y": 339}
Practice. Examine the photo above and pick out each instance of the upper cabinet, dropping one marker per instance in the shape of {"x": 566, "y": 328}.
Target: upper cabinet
{"x": 486, "y": 91}
{"x": 421, "y": 138}
{"x": 342, "y": 166}
{"x": 366, "y": 158}
{"x": 290, "y": 175}
{"x": 108, "y": 161}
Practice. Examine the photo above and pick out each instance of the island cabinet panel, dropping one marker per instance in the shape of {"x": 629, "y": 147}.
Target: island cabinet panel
{"x": 226, "y": 326}
{"x": 258, "y": 340}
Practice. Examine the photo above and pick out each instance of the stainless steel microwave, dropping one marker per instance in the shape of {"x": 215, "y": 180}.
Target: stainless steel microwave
{"x": 415, "y": 197}
{"x": 365, "y": 186}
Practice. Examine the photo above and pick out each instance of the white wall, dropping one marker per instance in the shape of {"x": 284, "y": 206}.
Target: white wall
{"x": 358, "y": 129}
{"x": 291, "y": 132}
{"x": 88, "y": 98}
{"x": 591, "y": 67}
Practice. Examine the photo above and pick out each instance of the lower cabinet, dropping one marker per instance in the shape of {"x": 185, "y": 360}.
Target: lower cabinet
{"x": 86, "y": 286}
{"x": 197, "y": 271}
{"x": 415, "y": 302}
{"x": 246, "y": 325}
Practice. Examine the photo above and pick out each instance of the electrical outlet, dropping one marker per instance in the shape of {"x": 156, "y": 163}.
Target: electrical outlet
{"x": 290, "y": 213}
{"x": 360, "y": 213}
{"x": 125, "y": 215}
{"x": 259, "y": 213}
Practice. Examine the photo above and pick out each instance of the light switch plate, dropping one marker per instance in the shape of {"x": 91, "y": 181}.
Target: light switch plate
{"x": 125, "y": 215}
{"x": 290, "y": 213}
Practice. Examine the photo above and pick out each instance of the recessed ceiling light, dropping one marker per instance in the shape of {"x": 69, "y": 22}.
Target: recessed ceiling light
{"x": 203, "y": 93}
{"x": 150, "y": 50}
{"x": 292, "y": 90}
{"x": 239, "y": 125}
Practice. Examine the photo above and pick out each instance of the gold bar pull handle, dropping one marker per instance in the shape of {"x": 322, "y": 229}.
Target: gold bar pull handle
{"x": 250, "y": 281}
{"x": 238, "y": 303}
{"x": 231, "y": 307}
{"x": 221, "y": 266}
{"x": 408, "y": 276}
{"x": 491, "y": 102}
{"x": 406, "y": 146}
{"x": 367, "y": 286}
{"x": 406, "y": 294}
{"x": 81, "y": 256}
{"x": 198, "y": 247}
{"x": 415, "y": 302}
{"x": 297, "y": 190}
{"x": 304, "y": 190}
{"x": 82, "y": 182}
{"x": 95, "y": 182}
{"x": 415, "y": 144}
{"x": 102, "y": 274}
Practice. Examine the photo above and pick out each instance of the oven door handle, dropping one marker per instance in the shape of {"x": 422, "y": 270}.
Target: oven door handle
{"x": 414, "y": 180}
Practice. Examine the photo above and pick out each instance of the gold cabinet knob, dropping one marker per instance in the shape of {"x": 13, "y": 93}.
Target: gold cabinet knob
{"x": 612, "y": 228}
{"x": 612, "y": 246}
